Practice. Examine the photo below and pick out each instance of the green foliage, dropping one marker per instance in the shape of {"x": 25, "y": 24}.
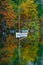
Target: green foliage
{"x": 31, "y": 19}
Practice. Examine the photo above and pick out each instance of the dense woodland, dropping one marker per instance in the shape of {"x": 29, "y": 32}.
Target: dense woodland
{"x": 31, "y": 18}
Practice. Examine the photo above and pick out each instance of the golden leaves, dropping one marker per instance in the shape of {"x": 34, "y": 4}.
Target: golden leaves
{"x": 29, "y": 53}
{"x": 28, "y": 10}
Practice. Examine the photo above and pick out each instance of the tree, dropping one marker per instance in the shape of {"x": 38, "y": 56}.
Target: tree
{"x": 29, "y": 52}
{"x": 29, "y": 16}
{"x": 7, "y": 16}
{"x": 28, "y": 10}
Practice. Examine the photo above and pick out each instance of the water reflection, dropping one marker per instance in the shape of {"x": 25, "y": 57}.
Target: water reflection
{"x": 12, "y": 39}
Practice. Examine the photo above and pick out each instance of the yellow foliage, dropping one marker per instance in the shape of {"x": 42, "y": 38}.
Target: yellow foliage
{"x": 28, "y": 9}
{"x": 29, "y": 53}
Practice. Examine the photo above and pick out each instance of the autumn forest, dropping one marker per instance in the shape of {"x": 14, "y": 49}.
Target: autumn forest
{"x": 21, "y": 16}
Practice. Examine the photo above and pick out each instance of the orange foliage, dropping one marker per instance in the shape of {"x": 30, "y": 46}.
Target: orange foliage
{"x": 8, "y": 50}
{"x": 8, "y": 13}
